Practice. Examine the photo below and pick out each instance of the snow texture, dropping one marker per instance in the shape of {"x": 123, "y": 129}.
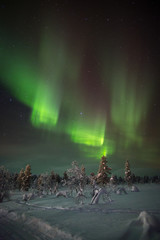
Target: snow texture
{"x": 87, "y": 215}
{"x": 37, "y": 228}
{"x": 149, "y": 224}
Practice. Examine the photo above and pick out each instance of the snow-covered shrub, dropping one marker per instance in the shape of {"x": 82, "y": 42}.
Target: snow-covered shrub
{"x": 29, "y": 196}
{"x": 134, "y": 189}
{"x": 120, "y": 190}
{"x": 62, "y": 194}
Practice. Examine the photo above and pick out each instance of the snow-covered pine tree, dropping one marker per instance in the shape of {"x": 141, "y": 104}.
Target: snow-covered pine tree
{"x": 128, "y": 178}
{"x": 104, "y": 170}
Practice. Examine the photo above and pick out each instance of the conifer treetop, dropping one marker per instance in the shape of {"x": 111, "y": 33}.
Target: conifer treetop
{"x": 127, "y": 172}
{"x": 104, "y": 170}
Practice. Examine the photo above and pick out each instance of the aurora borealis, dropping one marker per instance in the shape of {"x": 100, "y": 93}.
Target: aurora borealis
{"x": 86, "y": 81}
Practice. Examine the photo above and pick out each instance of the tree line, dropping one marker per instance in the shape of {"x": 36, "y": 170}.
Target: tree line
{"x": 75, "y": 177}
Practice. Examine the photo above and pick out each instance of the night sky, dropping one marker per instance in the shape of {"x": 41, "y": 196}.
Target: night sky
{"x": 79, "y": 80}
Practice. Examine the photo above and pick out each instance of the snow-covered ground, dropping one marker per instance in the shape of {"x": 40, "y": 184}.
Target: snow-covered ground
{"x": 135, "y": 215}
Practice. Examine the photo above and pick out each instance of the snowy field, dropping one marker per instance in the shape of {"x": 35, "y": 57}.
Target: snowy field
{"x": 135, "y": 215}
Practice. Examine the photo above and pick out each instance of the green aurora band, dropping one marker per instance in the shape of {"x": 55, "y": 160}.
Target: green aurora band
{"x": 29, "y": 88}
{"x": 89, "y": 132}
{"x": 45, "y": 110}
{"x": 52, "y": 85}
{"x": 94, "y": 152}
{"x": 128, "y": 107}
{"x": 39, "y": 85}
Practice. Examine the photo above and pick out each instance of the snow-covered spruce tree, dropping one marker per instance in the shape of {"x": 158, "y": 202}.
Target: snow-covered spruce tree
{"x": 92, "y": 178}
{"x": 57, "y": 178}
{"x": 52, "y": 176}
{"x": 34, "y": 182}
{"x": 43, "y": 182}
{"x": 20, "y": 179}
{"x": 26, "y": 179}
{"x": 128, "y": 176}
{"x": 51, "y": 180}
{"x": 65, "y": 176}
{"x": 40, "y": 183}
{"x": 103, "y": 172}
{"x": 4, "y": 183}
